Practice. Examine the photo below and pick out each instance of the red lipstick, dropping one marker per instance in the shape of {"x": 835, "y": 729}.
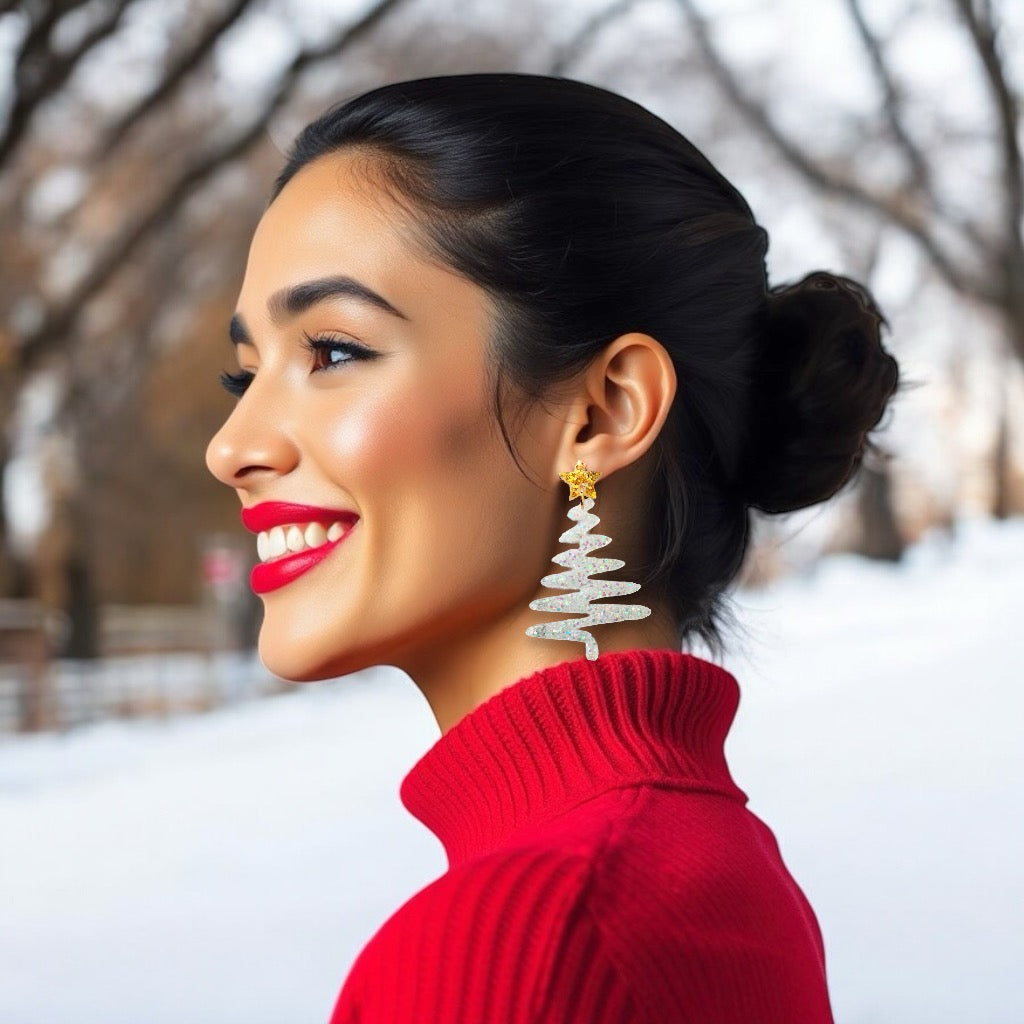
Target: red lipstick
{"x": 268, "y": 576}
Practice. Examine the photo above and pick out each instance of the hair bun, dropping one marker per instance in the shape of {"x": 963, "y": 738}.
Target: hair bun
{"x": 821, "y": 384}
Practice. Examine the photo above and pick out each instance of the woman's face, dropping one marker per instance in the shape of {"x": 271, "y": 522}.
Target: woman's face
{"x": 393, "y": 519}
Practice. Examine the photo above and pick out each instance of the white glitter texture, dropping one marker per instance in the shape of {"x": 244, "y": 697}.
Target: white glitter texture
{"x": 578, "y": 578}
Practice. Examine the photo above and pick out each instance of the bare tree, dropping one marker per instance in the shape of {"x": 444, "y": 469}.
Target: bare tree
{"x": 55, "y": 327}
{"x": 977, "y": 257}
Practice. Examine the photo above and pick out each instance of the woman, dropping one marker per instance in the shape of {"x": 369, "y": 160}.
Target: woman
{"x": 442, "y": 259}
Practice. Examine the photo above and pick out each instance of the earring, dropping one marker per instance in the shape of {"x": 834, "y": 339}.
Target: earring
{"x": 581, "y": 568}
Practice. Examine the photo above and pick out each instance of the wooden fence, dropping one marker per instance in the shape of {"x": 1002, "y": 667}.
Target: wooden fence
{"x": 156, "y": 661}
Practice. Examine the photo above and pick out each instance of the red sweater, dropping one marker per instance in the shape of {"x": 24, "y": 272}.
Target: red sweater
{"x": 603, "y": 866}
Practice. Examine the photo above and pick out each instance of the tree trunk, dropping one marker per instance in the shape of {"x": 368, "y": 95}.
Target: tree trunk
{"x": 63, "y": 573}
{"x": 1001, "y": 467}
{"x": 83, "y": 617}
{"x": 880, "y": 533}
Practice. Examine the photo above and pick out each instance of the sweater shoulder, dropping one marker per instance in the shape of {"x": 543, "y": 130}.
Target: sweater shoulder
{"x": 643, "y": 904}
{"x": 506, "y": 936}
{"x": 532, "y": 881}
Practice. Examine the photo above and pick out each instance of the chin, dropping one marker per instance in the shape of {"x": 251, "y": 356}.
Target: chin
{"x": 298, "y": 663}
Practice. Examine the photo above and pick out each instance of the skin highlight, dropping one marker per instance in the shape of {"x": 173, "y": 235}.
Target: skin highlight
{"x": 437, "y": 576}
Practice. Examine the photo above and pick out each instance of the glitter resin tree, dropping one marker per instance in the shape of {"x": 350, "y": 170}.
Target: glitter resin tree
{"x": 580, "y": 567}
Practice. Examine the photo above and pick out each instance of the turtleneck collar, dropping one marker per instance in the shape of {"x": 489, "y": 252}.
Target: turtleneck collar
{"x": 568, "y": 733}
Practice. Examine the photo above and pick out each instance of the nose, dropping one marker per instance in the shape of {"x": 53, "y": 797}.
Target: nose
{"x": 253, "y": 445}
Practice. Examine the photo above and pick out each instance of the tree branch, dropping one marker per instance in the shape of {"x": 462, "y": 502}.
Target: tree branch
{"x": 57, "y": 325}
{"x": 582, "y": 38}
{"x": 892, "y": 104}
{"x": 981, "y": 26}
{"x": 893, "y": 207}
{"x": 40, "y": 71}
{"x": 178, "y": 69}
{"x": 921, "y": 176}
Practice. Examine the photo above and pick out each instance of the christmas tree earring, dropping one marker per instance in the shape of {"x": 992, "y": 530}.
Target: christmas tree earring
{"x": 581, "y": 567}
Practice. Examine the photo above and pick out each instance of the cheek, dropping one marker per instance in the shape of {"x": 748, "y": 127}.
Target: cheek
{"x": 364, "y": 441}
{"x": 465, "y": 445}
{"x": 459, "y": 439}
{"x": 413, "y": 462}
{"x": 490, "y": 507}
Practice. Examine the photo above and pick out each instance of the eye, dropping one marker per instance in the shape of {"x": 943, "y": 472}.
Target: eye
{"x": 236, "y": 383}
{"x": 330, "y": 352}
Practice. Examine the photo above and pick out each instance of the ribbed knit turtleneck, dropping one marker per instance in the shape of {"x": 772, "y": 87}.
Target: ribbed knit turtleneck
{"x": 603, "y": 866}
{"x": 568, "y": 733}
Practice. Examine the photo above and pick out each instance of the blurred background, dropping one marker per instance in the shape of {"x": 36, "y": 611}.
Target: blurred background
{"x": 148, "y": 855}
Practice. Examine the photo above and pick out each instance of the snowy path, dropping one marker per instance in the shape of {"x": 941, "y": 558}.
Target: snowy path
{"x": 227, "y": 868}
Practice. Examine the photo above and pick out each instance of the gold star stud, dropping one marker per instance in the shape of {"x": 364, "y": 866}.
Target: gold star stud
{"x": 581, "y": 482}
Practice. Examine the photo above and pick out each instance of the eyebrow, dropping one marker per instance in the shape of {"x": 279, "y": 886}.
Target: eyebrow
{"x": 290, "y": 302}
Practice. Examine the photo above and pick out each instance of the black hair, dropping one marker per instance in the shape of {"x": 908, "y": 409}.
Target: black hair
{"x": 586, "y": 217}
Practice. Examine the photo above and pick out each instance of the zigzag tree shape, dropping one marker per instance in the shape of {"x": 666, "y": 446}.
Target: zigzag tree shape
{"x": 581, "y": 568}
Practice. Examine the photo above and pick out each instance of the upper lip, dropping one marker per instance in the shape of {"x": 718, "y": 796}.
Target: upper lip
{"x": 269, "y": 514}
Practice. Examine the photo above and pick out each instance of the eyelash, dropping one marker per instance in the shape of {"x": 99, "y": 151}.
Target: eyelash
{"x": 237, "y": 383}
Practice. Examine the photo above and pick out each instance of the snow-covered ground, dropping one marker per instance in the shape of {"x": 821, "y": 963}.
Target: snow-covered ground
{"x": 227, "y": 868}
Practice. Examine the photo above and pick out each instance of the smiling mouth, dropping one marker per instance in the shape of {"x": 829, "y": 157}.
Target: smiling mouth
{"x": 279, "y": 570}
{"x": 291, "y": 539}
{"x": 281, "y": 541}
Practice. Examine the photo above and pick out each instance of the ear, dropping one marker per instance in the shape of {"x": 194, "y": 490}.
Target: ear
{"x": 620, "y": 405}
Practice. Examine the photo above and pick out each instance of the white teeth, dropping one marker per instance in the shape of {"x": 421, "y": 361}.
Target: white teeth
{"x": 297, "y": 537}
{"x": 315, "y": 535}
{"x": 278, "y": 545}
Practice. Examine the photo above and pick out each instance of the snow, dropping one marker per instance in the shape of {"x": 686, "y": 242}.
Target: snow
{"x": 228, "y": 868}
{"x": 24, "y": 498}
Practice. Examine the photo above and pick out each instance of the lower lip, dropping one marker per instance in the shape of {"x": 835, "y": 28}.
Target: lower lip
{"x": 268, "y": 576}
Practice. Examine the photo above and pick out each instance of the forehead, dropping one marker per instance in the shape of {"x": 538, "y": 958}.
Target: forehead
{"x": 335, "y": 218}
{"x": 333, "y": 210}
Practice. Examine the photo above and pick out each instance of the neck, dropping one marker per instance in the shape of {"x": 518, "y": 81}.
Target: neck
{"x": 471, "y": 662}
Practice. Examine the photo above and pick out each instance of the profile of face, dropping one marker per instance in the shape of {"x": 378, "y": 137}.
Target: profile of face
{"x": 393, "y": 523}
{"x": 364, "y": 447}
